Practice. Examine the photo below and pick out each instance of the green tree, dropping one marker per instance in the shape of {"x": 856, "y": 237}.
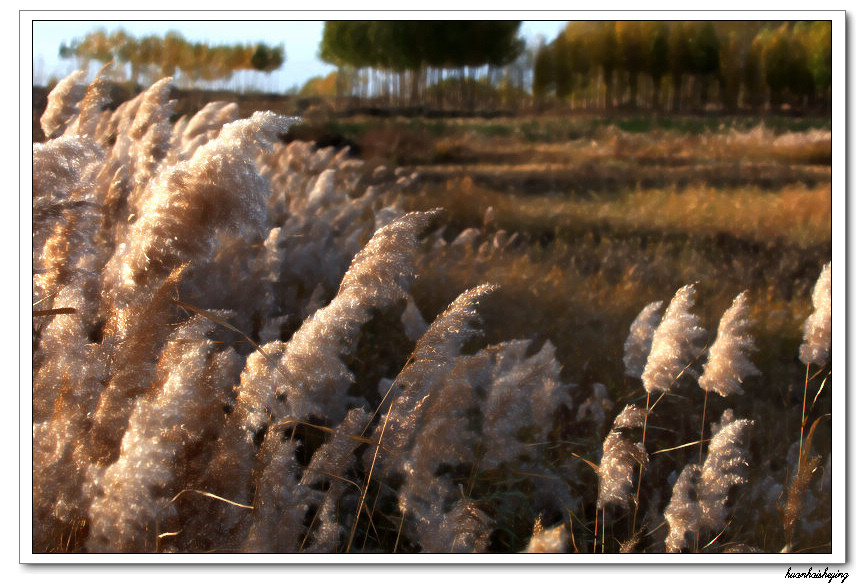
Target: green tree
{"x": 395, "y": 50}
{"x": 731, "y": 69}
{"x": 544, "y": 74}
{"x": 681, "y": 58}
{"x": 705, "y": 60}
{"x": 267, "y": 59}
{"x": 563, "y": 73}
{"x": 633, "y": 54}
{"x": 785, "y": 65}
{"x": 657, "y": 36}
{"x": 581, "y": 66}
{"x": 153, "y": 56}
{"x": 818, "y": 42}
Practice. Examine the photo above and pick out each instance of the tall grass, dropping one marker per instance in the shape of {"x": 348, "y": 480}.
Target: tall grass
{"x": 231, "y": 354}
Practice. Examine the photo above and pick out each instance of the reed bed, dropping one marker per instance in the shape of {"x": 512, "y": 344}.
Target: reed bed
{"x": 247, "y": 345}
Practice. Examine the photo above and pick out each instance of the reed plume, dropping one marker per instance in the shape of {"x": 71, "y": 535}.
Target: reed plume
{"x": 674, "y": 344}
{"x": 817, "y": 340}
{"x": 729, "y": 362}
{"x": 725, "y": 467}
{"x": 620, "y": 456}
{"x": 639, "y": 341}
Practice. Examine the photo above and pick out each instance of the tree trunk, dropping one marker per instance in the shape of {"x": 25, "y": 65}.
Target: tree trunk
{"x": 633, "y": 79}
{"x": 608, "y": 89}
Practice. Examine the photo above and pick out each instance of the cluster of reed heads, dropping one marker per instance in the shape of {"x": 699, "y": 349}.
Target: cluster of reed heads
{"x": 228, "y": 357}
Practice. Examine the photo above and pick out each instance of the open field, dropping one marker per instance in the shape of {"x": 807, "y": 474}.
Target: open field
{"x": 248, "y": 341}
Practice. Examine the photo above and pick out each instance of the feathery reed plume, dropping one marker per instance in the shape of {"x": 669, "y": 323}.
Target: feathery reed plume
{"x": 63, "y": 104}
{"x": 817, "y": 339}
{"x": 148, "y": 137}
{"x": 62, "y": 176}
{"x": 522, "y": 395}
{"x": 620, "y": 456}
{"x": 553, "y": 540}
{"x": 96, "y": 97}
{"x": 151, "y": 109}
{"x": 443, "y": 440}
{"x": 131, "y": 497}
{"x": 219, "y": 188}
{"x": 463, "y": 529}
{"x": 725, "y": 466}
{"x": 65, "y": 214}
{"x": 378, "y": 277}
{"x": 280, "y": 503}
{"x": 674, "y": 344}
{"x": 229, "y": 471}
{"x": 798, "y": 495}
{"x": 69, "y": 373}
{"x": 683, "y": 513}
{"x": 63, "y": 342}
{"x": 331, "y": 463}
{"x": 729, "y": 362}
{"x": 792, "y": 511}
{"x": 133, "y": 335}
{"x": 306, "y": 377}
{"x": 427, "y": 426}
{"x": 433, "y": 358}
{"x": 639, "y": 341}
{"x": 205, "y": 125}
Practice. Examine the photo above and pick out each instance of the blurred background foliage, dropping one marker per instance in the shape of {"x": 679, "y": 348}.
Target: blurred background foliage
{"x": 681, "y": 66}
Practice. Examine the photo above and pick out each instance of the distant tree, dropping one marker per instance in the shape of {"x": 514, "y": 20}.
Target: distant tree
{"x": 153, "y": 56}
{"x": 563, "y": 74}
{"x": 705, "y": 59}
{"x": 657, "y": 35}
{"x": 608, "y": 58}
{"x": 818, "y": 42}
{"x": 731, "y": 59}
{"x": 785, "y": 66}
{"x": 681, "y": 58}
{"x": 801, "y": 83}
{"x": 602, "y": 51}
{"x": 581, "y": 66}
{"x": 267, "y": 59}
{"x": 754, "y": 80}
{"x": 544, "y": 74}
{"x": 320, "y": 86}
{"x": 633, "y": 54}
{"x": 396, "y": 52}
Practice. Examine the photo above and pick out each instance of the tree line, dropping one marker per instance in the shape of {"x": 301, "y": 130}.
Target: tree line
{"x": 677, "y": 66}
{"x": 413, "y": 62}
{"x": 686, "y": 66}
{"x": 146, "y": 59}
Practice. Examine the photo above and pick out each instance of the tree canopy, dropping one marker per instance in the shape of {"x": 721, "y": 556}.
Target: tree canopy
{"x": 152, "y": 55}
{"x": 691, "y": 64}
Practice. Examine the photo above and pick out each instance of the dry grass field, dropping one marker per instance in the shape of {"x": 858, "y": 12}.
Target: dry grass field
{"x": 442, "y": 336}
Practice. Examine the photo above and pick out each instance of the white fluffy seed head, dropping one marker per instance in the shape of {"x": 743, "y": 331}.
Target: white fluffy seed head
{"x": 675, "y": 343}
{"x": 817, "y": 340}
{"x": 725, "y": 467}
{"x": 620, "y": 456}
{"x": 683, "y": 512}
{"x": 728, "y": 362}
{"x": 639, "y": 341}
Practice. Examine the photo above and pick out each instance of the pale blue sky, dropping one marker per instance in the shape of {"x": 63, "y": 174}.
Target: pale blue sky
{"x": 300, "y": 38}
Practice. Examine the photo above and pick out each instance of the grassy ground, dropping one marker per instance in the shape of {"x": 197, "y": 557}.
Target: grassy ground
{"x": 583, "y": 221}
{"x": 622, "y": 215}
